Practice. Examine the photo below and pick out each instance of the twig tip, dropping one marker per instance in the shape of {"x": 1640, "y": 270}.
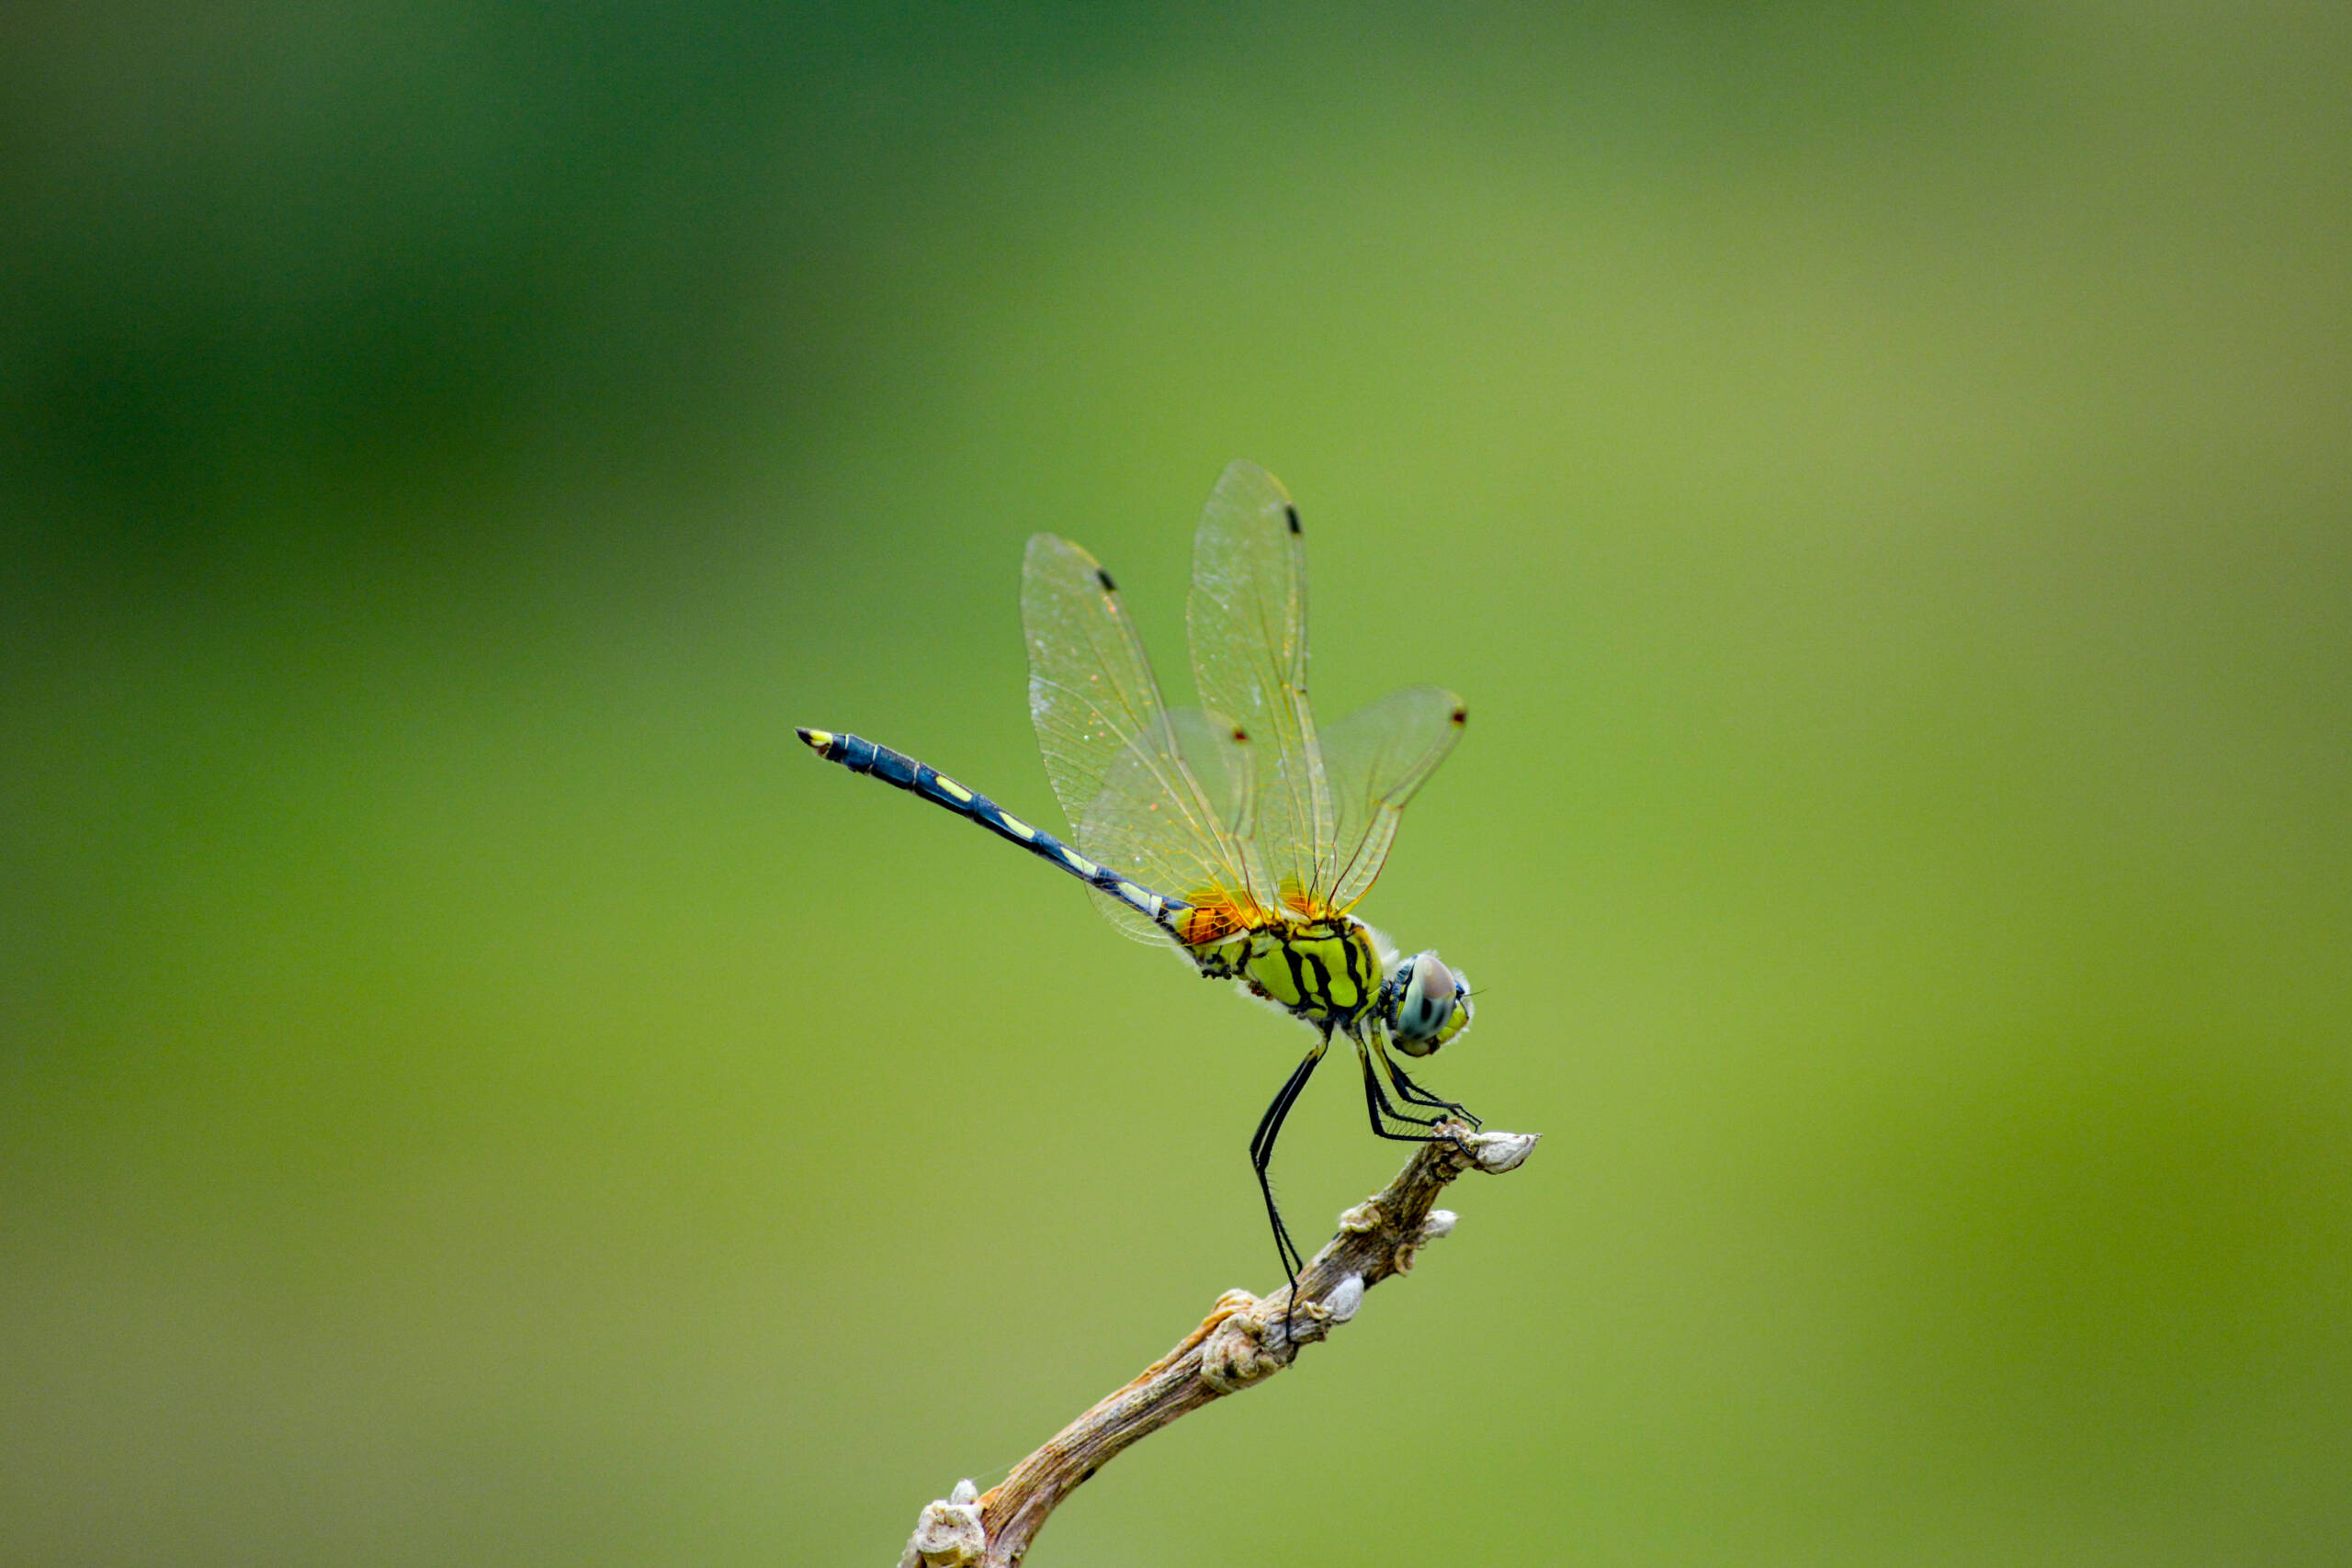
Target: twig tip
{"x": 1499, "y": 1152}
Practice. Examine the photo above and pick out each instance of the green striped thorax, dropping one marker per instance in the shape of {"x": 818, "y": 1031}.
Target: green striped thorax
{"x": 1326, "y": 971}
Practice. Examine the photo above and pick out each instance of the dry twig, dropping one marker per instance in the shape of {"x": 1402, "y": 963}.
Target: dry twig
{"x": 1243, "y": 1339}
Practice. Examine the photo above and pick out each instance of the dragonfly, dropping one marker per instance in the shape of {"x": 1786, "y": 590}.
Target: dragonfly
{"x": 1234, "y": 831}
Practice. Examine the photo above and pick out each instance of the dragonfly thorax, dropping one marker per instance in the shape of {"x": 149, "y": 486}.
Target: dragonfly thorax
{"x": 1326, "y": 971}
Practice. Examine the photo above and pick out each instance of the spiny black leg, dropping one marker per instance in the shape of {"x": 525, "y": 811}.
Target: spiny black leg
{"x": 1375, "y": 1104}
{"x": 1261, "y": 1155}
{"x": 1413, "y": 1093}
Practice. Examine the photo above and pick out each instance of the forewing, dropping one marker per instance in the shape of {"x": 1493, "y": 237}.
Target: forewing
{"x": 1375, "y": 758}
{"x": 1248, "y": 619}
{"x": 1109, "y": 748}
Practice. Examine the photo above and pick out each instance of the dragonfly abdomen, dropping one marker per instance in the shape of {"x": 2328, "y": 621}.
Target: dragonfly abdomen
{"x": 876, "y": 760}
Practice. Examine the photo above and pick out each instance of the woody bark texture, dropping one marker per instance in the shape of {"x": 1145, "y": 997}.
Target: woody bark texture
{"x": 1243, "y": 1340}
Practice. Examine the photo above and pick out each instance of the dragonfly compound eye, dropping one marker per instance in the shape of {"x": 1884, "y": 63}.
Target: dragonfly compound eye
{"x": 1433, "y": 1004}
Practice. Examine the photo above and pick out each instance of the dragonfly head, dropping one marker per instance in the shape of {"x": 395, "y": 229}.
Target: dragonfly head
{"x": 1424, "y": 1003}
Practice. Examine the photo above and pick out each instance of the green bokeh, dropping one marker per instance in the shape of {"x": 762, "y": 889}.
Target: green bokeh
{"x": 474, "y": 1090}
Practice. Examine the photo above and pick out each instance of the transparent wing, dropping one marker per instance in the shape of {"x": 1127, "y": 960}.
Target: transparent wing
{"x": 1222, "y": 766}
{"x": 1248, "y": 619}
{"x": 1110, "y": 749}
{"x": 1375, "y": 758}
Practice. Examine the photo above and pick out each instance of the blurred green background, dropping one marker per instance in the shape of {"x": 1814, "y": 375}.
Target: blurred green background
{"x": 475, "y": 1089}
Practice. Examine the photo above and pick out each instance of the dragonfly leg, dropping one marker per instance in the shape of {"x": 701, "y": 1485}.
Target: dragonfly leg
{"x": 1413, "y": 1093}
{"x": 1261, "y": 1155}
{"x": 1376, "y": 1105}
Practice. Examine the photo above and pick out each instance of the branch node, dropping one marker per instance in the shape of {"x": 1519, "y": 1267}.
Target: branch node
{"x": 1240, "y": 1349}
{"x": 949, "y": 1534}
